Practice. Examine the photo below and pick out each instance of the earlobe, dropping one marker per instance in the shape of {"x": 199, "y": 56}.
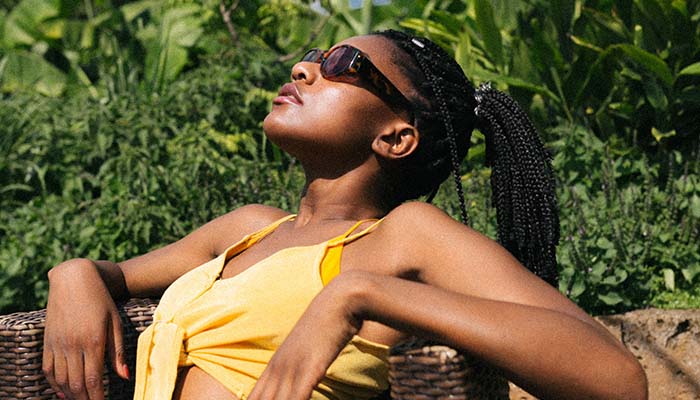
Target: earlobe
{"x": 396, "y": 143}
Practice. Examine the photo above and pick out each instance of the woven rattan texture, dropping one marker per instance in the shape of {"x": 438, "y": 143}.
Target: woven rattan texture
{"x": 419, "y": 370}
{"x": 21, "y": 346}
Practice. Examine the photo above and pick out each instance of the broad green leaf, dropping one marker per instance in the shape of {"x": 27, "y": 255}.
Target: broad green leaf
{"x": 694, "y": 206}
{"x": 26, "y": 23}
{"x": 476, "y": 151}
{"x": 691, "y": 272}
{"x": 649, "y": 61}
{"x": 25, "y": 70}
{"x": 166, "y": 48}
{"x": 610, "y": 298}
{"x": 463, "y": 50}
{"x": 87, "y": 232}
{"x": 577, "y": 288}
{"x": 163, "y": 63}
{"x": 655, "y": 95}
{"x": 428, "y": 28}
{"x": 609, "y": 22}
{"x": 186, "y": 32}
{"x": 14, "y": 267}
{"x": 490, "y": 33}
{"x": 604, "y": 243}
{"x": 669, "y": 279}
{"x": 692, "y": 69}
{"x": 484, "y": 75}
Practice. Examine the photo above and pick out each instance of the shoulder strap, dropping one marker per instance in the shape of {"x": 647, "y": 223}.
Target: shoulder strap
{"x": 254, "y": 237}
{"x": 330, "y": 265}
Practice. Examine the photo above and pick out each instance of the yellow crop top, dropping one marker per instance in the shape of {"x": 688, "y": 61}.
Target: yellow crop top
{"x": 230, "y": 328}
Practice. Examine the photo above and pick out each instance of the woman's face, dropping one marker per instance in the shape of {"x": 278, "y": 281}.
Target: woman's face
{"x": 320, "y": 118}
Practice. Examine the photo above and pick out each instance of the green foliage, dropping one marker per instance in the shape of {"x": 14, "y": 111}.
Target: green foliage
{"x": 117, "y": 177}
{"x": 627, "y": 241}
{"x": 27, "y": 31}
{"x": 628, "y": 69}
{"x": 127, "y": 124}
{"x": 62, "y": 45}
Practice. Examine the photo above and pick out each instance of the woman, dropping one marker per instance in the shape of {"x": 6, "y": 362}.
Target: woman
{"x": 277, "y": 310}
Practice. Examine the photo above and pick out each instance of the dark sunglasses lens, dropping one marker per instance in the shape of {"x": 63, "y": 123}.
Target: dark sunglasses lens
{"x": 312, "y": 55}
{"x": 338, "y": 62}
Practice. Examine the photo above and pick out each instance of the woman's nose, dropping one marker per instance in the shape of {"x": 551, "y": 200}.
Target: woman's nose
{"x": 306, "y": 71}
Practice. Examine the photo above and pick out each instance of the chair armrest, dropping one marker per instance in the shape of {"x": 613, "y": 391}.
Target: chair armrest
{"x": 417, "y": 369}
{"x": 22, "y": 344}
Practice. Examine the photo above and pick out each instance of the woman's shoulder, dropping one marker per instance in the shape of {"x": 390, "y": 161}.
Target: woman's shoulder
{"x": 418, "y": 217}
{"x": 417, "y": 228}
{"x": 406, "y": 231}
{"x": 235, "y": 224}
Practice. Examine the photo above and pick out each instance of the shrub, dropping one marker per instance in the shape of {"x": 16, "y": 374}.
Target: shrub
{"x": 117, "y": 177}
{"x": 629, "y": 228}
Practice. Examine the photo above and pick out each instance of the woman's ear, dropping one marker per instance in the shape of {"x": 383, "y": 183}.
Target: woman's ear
{"x": 396, "y": 142}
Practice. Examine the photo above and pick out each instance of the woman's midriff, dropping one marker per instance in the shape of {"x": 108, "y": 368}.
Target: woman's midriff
{"x": 194, "y": 383}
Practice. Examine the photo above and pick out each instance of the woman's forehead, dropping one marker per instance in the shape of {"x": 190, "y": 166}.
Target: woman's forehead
{"x": 380, "y": 50}
{"x": 375, "y": 46}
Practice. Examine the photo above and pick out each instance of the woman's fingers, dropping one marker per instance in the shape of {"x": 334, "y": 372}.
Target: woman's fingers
{"x": 94, "y": 368}
{"x": 282, "y": 387}
{"x": 60, "y": 372}
{"x": 115, "y": 347}
{"x": 48, "y": 367}
{"x": 75, "y": 388}
{"x": 75, "y": 370}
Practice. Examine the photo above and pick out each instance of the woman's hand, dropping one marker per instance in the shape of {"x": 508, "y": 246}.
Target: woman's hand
{"x": 324, "y": 329}
{"x": 81, "y": 321}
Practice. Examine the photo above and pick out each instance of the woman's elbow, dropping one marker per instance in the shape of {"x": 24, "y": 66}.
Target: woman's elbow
{"x": 632, "y": 381}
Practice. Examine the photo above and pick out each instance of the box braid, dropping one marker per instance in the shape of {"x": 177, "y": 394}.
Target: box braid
{"x": 447, "y": 109}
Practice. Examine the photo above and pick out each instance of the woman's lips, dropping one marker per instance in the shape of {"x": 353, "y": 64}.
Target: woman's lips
{"x": 288, "y": 94}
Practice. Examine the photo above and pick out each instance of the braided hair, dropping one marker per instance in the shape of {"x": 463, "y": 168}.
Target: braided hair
{"x": 447, "y": 108}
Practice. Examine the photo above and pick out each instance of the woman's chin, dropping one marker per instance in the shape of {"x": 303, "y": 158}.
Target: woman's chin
{"x": 273, "y": 127}
{"x": 276, "y": 122}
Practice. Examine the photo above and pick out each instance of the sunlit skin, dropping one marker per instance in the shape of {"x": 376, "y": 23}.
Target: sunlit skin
{"x": 419, "y": 272}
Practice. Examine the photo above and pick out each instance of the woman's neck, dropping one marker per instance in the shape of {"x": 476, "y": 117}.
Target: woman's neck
{"x": 352, "y": 196}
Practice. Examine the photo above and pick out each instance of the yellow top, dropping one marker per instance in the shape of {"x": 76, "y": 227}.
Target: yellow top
{"x": 230, "y": 328}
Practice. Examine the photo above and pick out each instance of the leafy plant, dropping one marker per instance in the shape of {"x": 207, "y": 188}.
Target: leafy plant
{"x": 627, "y": 242}
{"x": 59, "y": 45}
{"x": 628, "y": 69}
{"x": 113, "y": 178}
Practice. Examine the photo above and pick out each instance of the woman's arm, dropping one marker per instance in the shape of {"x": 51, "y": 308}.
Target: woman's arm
{"x": 477, "y": 297}
{"x": 84, "y": 292}
{"x": 470, "y": 294}
{"x": 549, "y": 353}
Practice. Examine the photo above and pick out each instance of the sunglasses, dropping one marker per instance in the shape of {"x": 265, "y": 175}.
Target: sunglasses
{"x": 349, "y": 64}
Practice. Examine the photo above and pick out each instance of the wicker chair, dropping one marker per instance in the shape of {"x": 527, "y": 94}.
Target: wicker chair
{"x": 418, "y": 370}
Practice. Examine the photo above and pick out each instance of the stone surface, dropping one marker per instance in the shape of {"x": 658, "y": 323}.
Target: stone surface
{"x": 666, "y": 343}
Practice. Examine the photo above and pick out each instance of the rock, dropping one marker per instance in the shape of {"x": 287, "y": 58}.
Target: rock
{"x": 666, "y": 343}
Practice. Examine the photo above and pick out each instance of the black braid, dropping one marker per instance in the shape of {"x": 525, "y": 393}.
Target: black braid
{"x": 442, "y": 148}
{"x": 522, "y": 181}
{"x": 450, "y": 134}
